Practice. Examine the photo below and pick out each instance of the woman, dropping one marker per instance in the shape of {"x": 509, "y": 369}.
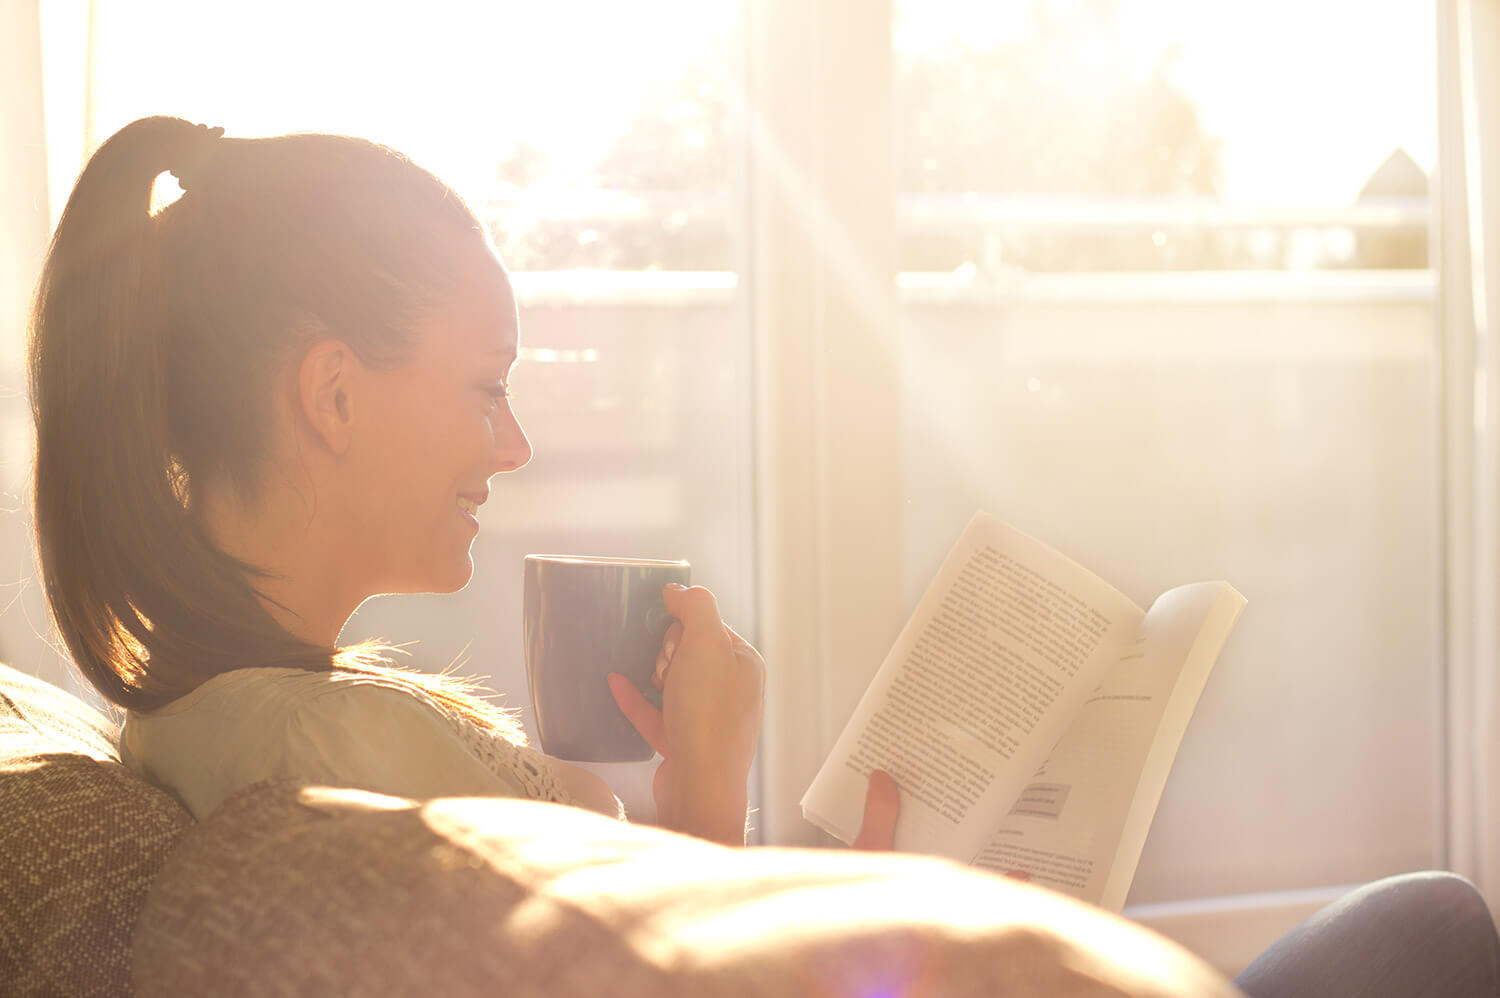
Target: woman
{"x": 278, "y": 396}
{"x": 285, "y": 393}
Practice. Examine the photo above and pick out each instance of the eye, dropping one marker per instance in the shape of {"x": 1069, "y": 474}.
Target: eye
{"x": 497, "y": 391}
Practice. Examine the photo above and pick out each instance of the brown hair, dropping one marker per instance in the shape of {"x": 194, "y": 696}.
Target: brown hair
{"x": 154, "y": 344}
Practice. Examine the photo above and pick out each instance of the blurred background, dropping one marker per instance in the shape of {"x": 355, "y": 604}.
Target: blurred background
{"x": 1156, "y": 281}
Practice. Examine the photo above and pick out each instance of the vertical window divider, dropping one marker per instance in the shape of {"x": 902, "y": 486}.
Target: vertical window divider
{"x": 821, "y": 231}
{"x": 1469, "y": 271}
{"x": 1456, "y": 349}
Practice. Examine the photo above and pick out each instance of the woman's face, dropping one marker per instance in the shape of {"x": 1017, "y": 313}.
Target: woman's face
{"x": 436, "y": 429}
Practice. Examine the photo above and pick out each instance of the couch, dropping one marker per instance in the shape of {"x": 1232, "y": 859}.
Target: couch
{"x": 107, "y": 886}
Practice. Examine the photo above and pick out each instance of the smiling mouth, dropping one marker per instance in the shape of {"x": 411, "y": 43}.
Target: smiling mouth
{"x": 468, "y": 506}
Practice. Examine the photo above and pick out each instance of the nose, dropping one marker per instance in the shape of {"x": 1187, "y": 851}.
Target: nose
{"x": 512, "y": 449}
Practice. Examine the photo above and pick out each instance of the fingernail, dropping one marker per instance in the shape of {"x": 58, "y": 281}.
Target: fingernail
{"x": 670, "y": 647}
{"x": 676, "y": 586}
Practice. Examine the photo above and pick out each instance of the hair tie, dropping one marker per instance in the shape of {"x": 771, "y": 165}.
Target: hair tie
{"x": 198, "y": 148}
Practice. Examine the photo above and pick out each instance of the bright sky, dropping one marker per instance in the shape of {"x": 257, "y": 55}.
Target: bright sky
{"x": 1309, "y": 95}
{"x": 452, "y": 83}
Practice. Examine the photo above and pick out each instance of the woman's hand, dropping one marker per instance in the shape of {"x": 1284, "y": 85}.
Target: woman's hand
{"x": 713, "y": 686}
{"x": 882, "y": 807}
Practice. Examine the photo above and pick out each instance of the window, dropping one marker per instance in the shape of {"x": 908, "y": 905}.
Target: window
{"x": 1168, "y": 304}
{"x": 596, "y": 142}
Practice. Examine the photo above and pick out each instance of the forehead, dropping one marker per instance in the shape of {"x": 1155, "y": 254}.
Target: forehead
{"x": 479, "y": 324}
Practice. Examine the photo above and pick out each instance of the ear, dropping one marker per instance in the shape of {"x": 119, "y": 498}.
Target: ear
{"x": 325, "y": 392}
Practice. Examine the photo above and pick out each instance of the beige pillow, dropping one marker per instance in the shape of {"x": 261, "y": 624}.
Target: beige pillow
{"x": 81, "y": 839}
{"x": 307, "y": 890}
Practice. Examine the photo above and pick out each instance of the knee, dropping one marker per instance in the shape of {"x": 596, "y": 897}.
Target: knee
{"x": 1435, "y": 891}
{"x": 1451, "y": 908}
{"x": 1391, "y": 934}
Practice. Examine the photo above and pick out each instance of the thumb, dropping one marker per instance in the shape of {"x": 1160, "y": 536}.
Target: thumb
{"x": 882, "y": 807}
{"x": 694, "y": 606}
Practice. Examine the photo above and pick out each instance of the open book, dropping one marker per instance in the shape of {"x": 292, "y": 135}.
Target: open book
{"x": 1030, "y": 713}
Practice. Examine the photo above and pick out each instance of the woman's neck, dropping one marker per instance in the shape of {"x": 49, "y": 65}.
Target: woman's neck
{"x": 302, "y": 588}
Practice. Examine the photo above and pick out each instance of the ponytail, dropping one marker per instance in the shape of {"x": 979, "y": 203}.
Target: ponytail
{"x": 148, "y": 605}
{"x": 136, "y": 589}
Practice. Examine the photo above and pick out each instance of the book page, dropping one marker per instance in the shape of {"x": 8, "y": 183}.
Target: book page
{"x": 1079, "y": 825}
{"x": 1008, "y": 640}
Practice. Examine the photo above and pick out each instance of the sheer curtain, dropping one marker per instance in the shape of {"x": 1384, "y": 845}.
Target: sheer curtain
{"x": 24, "y": 218}
{"x": 1469, "y": 123}
{"x": 25, "y": 225}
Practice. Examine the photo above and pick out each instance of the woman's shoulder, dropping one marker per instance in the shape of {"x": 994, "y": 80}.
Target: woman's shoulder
{"x": 260, "y": 713}
{"x": 324, "y": 727}
{"x": 357, "y": 729}
{"x": 241, "y": 686}
{"x": 265, "y": 690}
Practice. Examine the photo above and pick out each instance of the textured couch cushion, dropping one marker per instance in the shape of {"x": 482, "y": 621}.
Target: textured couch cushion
{"x": 81, "y": 839}
{"x": 307, "y": 890}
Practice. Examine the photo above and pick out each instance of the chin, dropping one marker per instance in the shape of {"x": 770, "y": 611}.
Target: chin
{"x": 455, "y": 577}
{"x": 439, "y": 579}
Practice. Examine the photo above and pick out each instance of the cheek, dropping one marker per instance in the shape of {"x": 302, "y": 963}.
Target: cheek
{"x": 419, "y": 455}
{"x": 431, "y": 462}
{"x": 394, "y": 463}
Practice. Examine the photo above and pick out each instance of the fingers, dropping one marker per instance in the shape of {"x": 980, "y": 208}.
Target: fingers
{"x": 639, "y": 712}
{"x": 882, "y": 807}
{"x": 669, "y": 643}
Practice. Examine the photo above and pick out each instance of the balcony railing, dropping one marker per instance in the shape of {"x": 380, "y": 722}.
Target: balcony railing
{"x": 920, "y": 213}
{"x": 654, "y": 288}
{"x": 989, "y": 216}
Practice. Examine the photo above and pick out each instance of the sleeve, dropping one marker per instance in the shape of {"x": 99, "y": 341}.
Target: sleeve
{"x": 376, "y": 738}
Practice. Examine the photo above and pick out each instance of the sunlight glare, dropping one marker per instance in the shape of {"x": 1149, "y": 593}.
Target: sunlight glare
{"x": 455, "y": 88}
{"x": 1308, "y": 97}
{"x": 163, "y": 192}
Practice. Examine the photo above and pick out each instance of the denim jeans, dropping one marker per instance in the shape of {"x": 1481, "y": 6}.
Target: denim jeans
{"x": 1412, "y": 936}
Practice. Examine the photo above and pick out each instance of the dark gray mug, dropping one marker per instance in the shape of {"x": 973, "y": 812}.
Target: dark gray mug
{"x": 584, "y": 618}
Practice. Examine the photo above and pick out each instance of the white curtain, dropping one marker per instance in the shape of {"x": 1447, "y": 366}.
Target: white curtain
{"x": 1469, "y": 264}
{"x": 26, "y": 639}
{"x": 24, "y": 216}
